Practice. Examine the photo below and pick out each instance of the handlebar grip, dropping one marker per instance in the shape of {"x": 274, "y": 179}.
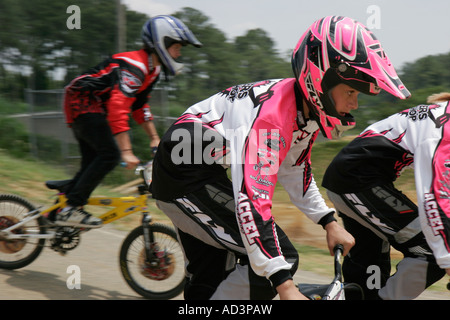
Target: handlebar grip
{"x": 338, "y": 252}
{"x": 338, "y": 247}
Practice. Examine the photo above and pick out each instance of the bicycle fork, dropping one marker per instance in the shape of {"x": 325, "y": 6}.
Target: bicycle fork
{"x": 148, "y": 240}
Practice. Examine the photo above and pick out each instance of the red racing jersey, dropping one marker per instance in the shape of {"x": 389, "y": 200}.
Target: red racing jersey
{"x": 117, "y": 87}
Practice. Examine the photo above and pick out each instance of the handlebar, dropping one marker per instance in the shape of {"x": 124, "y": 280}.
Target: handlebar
{"x": 338, "y": 248}
{"x": 338, "y": 251}
{"x": 142, "y": 164}
{"x": 144, "y": 169}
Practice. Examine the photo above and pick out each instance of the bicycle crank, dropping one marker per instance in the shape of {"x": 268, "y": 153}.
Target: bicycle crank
{"x": 66, "y": 238}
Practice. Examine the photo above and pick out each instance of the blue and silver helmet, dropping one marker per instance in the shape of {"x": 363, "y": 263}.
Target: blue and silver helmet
{"x": 160, "y": 32}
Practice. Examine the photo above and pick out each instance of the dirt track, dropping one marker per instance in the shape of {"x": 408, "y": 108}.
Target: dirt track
{"x": 45, "y": 278}
{"x": 298, "y": 227}
{"x": 97, "y": 258}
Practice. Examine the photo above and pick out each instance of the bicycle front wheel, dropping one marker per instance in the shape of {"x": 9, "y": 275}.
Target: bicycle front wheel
{"x": 159, "y": 281}
{"x": 18, "y": 253}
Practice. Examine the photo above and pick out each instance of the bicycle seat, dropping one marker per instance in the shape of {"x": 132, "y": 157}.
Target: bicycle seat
{"x": 60, "y": 185}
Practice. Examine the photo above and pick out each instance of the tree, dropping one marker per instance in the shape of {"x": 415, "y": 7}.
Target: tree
{"x": 207, "y": 69}
{"x": 427, "y": 71}
{"x": 41, "y": 39}
{"x": 258, "y": 58}
{"x": 221, "y": 63}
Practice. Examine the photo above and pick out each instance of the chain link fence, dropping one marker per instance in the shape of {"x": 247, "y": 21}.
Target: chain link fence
{"x": 49, "y": 135}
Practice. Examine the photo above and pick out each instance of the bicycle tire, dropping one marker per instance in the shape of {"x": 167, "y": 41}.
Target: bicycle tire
{"x": 131, "y": 267}
{"x": 16, "y": 254}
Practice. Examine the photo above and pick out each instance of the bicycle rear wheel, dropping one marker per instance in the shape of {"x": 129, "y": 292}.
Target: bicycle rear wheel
{"x": 161, "y": 282}
{"x": 18, "y": 253}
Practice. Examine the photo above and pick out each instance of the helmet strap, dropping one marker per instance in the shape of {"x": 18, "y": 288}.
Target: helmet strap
{"x": 298, "y": 96}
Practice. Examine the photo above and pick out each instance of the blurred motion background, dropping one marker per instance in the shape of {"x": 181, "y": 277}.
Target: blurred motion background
{"x": 45, "y": 43}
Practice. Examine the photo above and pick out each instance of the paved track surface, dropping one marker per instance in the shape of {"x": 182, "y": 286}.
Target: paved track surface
{"x": 97, "y": 258}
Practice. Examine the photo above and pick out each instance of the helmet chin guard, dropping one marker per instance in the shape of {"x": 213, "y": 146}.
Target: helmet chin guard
{"x": 336, "y": 50}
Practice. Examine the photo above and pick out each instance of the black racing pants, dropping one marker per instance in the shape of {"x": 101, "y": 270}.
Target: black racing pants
{"x": 217, "y": 266}
{"x": 99, "y": 156}
{"x": 379, "y": 218}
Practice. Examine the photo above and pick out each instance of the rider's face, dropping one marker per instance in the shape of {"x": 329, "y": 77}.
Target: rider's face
{"x": 345, "y": 98}
{"x": 175, "y": 50}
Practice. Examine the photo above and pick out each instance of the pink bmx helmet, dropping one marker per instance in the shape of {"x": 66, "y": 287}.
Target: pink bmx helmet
{"x": 338, "y": 50}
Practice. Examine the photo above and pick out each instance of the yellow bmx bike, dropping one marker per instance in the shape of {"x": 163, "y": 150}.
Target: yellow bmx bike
{"x": 150, "y": 257}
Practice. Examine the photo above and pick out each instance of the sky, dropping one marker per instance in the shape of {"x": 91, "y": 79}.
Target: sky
{"x": 407, "y": 29}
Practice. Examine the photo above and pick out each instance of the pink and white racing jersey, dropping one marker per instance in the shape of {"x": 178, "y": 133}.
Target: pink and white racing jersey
{"x": 267, "y": 140}
{"x": 417, "y": 138}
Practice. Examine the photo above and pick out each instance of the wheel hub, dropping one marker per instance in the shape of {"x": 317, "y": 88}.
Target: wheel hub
{"x": 10, "y": 246}
{"x": 160, "y": 267}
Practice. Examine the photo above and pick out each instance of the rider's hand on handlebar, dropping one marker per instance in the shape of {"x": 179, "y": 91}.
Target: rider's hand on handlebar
{"x": 288, "y": 291}
{"x": 130, "y": 160}
{"x": 338, "y": 235}
{"x": 154, "y": 143}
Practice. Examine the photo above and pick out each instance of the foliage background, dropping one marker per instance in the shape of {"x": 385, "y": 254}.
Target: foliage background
{"x": 38, "y": 51}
